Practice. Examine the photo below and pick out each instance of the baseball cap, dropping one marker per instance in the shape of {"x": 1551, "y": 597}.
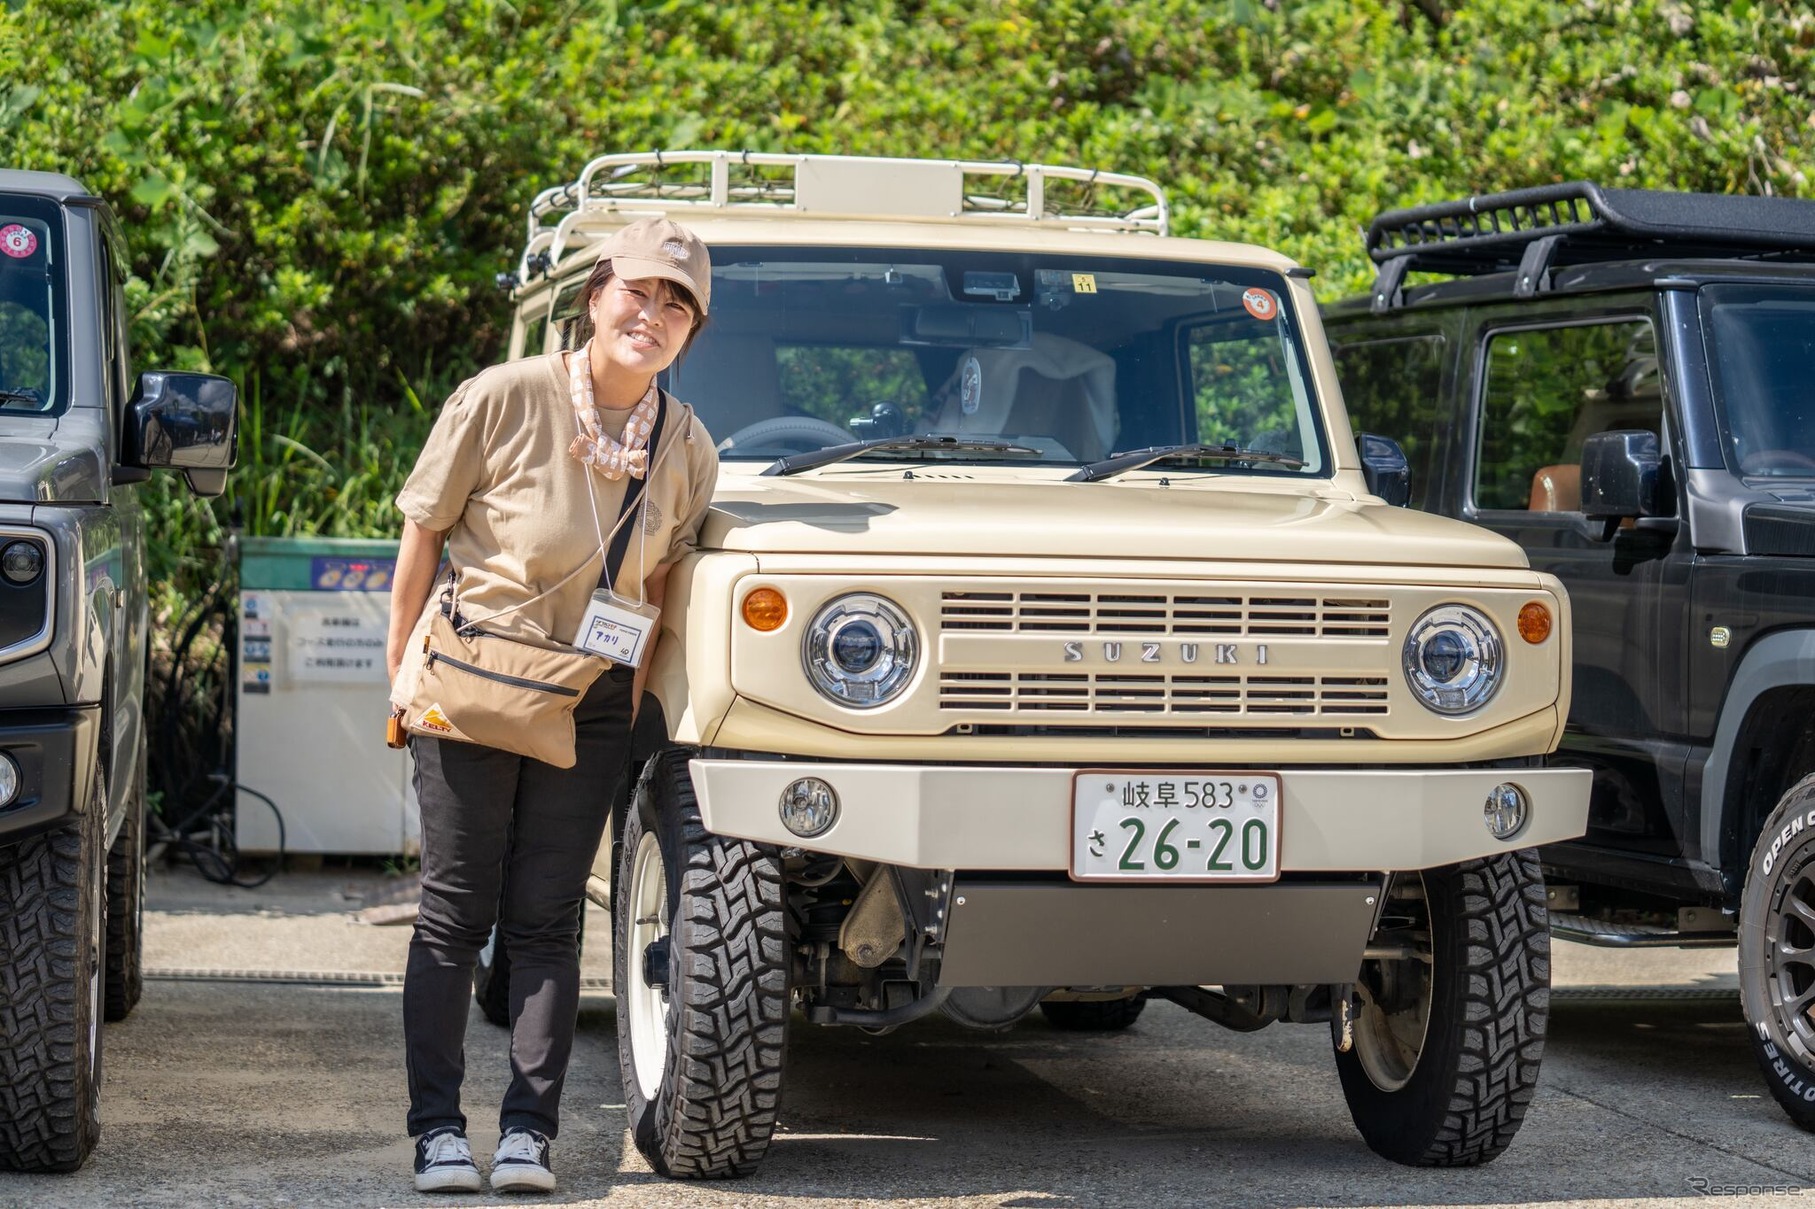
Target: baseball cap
{"x": 656, "y": 247}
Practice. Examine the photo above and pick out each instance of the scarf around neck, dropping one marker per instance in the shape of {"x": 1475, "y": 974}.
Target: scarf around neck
{"x": 609, "y": 457}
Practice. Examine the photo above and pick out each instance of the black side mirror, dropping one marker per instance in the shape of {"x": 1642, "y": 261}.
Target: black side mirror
{"x": 187, "y": 422}
{"x": 1621, "y": 478}
{"x": 1383, "y": 465}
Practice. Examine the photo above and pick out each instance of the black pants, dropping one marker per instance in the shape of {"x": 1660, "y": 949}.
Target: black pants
{"x": 510, "y": 840}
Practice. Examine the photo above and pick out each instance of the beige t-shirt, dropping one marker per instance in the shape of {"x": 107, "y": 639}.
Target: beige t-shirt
{"x": 496, "y": 474}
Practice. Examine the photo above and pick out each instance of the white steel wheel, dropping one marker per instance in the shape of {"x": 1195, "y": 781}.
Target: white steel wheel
{"x": 1396, "y": 997}
{"x": 701, "y": 967}
{"x": 1453, "y": 1007}
{"x": 646, "y": 1005}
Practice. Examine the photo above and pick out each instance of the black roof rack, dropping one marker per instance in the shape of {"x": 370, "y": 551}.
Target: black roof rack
{"x": 1578, "y": 222}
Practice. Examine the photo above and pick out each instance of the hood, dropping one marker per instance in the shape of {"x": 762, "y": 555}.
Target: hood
{"x": 51, "y": 460}
{"x": 942, "y": 513}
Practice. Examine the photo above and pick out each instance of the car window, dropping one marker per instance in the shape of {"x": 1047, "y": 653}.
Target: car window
{"x": 30, "y": 280}
{"x": 1391, "y": 388}
{"x": 1245, "y": 385}
{"x": 1761, "y": 344}
{"x": 1074, "y": 357}
{"x": 1547, "y": 390}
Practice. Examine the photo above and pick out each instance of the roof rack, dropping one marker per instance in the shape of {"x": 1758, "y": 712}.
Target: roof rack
{"x": 1578, "y": 222}
{"x": 615, "y": 189}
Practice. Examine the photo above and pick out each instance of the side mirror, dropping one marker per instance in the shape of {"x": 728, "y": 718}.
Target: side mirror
{"x": 1383, "y": 465}
{"x": 1621, "y": 478}
{"x": 187, "y": 422}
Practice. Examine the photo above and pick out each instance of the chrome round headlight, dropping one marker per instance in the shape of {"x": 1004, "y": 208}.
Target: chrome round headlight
{"x": 21, "y": 562}
{"x": 860, "y": 650}
{"x": 1454, "y": 659}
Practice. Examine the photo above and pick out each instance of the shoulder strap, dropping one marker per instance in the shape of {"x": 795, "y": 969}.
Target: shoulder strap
{"x": 633, "y": 493}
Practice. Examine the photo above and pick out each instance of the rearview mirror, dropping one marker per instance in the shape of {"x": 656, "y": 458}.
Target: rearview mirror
{"x": 1620, "y": 478}
{"x": 186, "y": 422}
{"x": 967, "y": 325}
{"x": 1384, "y": 467}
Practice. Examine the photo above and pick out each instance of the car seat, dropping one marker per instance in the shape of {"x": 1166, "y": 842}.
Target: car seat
{"x": 1056, "y": 387}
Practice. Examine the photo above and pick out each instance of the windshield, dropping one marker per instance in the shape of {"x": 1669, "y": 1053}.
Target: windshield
{"x": 33, "y": 369}
{"x": 1074, "y": 358}
{"x": 1761, "y": 344}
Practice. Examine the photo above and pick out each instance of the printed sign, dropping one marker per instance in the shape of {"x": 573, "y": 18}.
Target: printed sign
{"x": 1084, "y": 283}
{"x": 1260, "y": 303}
{"x": 337, "y": 647}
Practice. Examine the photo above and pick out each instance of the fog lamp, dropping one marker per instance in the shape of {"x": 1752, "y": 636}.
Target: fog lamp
{"x": 1506, "y": 810}
{"x": 809, "y": 807}
{"x": 9, "y": 780}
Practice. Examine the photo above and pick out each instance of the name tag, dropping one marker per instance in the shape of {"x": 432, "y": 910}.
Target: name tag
{"x": 617, "y": 628}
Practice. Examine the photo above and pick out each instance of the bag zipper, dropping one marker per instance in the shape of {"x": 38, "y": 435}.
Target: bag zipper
{"x": 501, "y": 678}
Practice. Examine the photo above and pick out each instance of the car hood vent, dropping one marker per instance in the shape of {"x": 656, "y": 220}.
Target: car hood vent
{"x": 1781, "y": 529}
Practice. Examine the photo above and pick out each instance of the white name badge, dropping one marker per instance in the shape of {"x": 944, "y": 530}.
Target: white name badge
{"x": 617, "y": 628}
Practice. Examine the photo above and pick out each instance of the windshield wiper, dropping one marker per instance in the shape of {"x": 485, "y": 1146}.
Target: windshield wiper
{"x": 1123, "y": 462}
{"x": 856, "y": 449}
{"x": 8, "y": 395}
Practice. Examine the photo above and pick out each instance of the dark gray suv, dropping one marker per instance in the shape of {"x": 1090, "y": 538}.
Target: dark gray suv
{"x": 1623, "y": 382}
{"x": 76, "y": 437}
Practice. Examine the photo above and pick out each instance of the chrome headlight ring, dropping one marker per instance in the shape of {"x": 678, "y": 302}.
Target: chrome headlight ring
{"x": 1454, "y": 659}
{"x": 860, "y": 650}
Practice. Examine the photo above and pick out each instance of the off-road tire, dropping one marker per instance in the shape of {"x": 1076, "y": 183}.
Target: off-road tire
{"x": 1093, "y": 1016}
{"x": 52, "y": 924}
{"x": 1777, "y": 952}
{"x": 1471, "y": 1076}
{"x": 491, "y": 974}
{"x": 125, "y": 976}
{"x": 713, "y": 1109}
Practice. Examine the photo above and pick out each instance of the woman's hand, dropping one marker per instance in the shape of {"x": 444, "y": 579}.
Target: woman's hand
{"x": 418, "y": 554}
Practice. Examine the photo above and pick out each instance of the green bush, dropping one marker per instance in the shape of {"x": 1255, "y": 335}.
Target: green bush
{"x": 318, "y": 194}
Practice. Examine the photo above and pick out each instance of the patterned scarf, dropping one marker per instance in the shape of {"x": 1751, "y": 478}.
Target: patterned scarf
{"x": 612, "y": 459}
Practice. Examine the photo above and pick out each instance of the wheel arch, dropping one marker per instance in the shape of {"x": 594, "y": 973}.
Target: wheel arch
{"x": 1763, "y": 744}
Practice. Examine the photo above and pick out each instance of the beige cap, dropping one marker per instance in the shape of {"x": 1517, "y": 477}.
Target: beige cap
{"x": 655, "y": 247}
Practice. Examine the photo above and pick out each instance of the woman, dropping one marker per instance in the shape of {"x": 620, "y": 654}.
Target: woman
{"x": 524, "y": 476}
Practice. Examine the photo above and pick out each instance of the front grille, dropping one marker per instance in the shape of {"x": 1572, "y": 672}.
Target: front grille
{"x": 1166, "y": 614}
{"x": 1160, "y": 695}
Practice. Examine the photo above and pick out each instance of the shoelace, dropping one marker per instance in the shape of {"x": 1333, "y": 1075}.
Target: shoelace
{"x": 447, "y": 1147}
{"x": 520, "y": 1146}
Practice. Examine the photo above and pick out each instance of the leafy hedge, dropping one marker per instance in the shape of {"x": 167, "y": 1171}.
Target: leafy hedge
{"x": 319, "y": 192}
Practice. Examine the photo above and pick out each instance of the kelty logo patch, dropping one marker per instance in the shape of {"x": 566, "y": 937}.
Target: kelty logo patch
{"x": 433, "y": 719}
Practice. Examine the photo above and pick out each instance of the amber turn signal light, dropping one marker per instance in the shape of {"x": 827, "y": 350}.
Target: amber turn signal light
{"x": 1534, "y": 622}
{"x": 765, "y": 609}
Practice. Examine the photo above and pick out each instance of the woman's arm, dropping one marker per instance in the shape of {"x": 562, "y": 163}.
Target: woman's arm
{"x": 655, "y": 591}
{"x": 417, "y": 557}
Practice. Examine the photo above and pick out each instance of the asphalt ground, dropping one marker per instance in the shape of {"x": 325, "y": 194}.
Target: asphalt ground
{"x": 226, "y": 1088}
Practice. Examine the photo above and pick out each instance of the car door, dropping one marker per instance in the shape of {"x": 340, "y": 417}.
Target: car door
{"x": 1540, "y": 386}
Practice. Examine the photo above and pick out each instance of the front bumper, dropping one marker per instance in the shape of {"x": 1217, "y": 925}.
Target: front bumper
{"x": 1015, "y": 818}
{"x": 55, "y": 751}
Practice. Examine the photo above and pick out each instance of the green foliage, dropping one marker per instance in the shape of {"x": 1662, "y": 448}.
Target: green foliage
{"x": 318, "y": 193}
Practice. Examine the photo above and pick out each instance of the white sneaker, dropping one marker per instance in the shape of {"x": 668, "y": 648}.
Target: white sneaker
{"x": 521, "y": 1164}
{"x": 444, "y": 1162}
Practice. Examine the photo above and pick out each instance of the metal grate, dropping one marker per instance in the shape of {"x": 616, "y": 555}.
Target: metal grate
{"x": 1166, "y": 614}
{"x": 1100, "y": 693}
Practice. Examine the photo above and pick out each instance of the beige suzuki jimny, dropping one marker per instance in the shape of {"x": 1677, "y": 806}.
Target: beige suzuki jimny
{"x": 1053, "y": 644}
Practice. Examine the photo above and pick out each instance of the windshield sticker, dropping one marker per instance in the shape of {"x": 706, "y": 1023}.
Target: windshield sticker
{"x": 1260, "y": 304}
{"x": 1084, "y": 283}
{"x": 970, "y": 386}
{"x": 17, "y": 241}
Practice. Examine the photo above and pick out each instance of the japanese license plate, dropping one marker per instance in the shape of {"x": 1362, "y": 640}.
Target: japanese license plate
{"x": 1175, "y": 827}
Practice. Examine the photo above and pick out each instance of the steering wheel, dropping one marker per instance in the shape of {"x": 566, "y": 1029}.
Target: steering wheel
{"x": 794, "y": 434}
{"x": 1764, "y": 461}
